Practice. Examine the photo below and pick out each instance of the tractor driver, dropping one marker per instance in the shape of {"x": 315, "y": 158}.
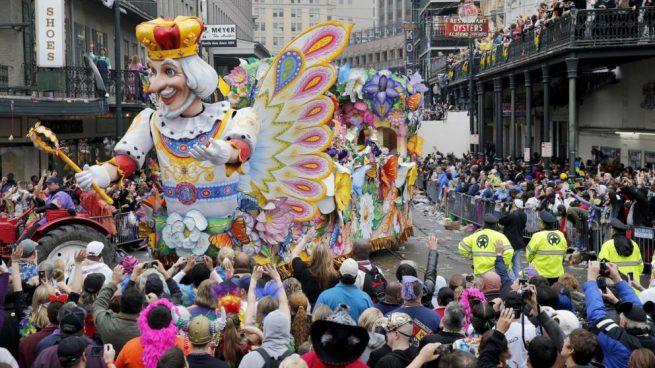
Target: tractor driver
{"x": 57, "y": 199}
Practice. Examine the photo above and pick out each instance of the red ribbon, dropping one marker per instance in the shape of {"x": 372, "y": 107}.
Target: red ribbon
{"x": 61, "y": 298}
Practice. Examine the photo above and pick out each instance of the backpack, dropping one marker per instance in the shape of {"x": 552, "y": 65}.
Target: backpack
{"x": 269, "y": 361}
{"x": 374, "y": 283}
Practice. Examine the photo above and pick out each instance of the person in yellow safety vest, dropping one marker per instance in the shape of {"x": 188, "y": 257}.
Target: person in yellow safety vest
{"x": 622, "y": 251}
{"x": 547, "y": 248}
{"x": 480, "y": 246}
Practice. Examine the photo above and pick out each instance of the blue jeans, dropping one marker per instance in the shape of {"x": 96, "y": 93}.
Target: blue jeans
{"x": 516, "y": 265}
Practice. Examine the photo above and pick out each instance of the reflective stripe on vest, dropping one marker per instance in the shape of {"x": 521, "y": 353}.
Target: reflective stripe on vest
{"x": 481, "y": 253}
{"x": 551, "y": 252}
{"x": 628, "y": 263}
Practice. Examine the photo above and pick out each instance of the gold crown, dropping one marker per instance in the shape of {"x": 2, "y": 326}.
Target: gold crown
{"x": 170, "y": 38}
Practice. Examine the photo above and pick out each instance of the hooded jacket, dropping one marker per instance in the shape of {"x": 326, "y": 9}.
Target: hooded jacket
{"x": 375, "y": 341}
{"x": 397, "y": 358}
{"x": 114, "y": 328}
{"x": 277, "y": 333}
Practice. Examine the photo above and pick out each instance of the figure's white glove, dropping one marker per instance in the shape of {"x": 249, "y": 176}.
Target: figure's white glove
{"x": 218, "y": 152}
{"x": 93, "y": 174}
{"x": 222, "y": 320}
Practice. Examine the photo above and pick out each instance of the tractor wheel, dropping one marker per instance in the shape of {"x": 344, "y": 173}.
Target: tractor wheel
{"x": 63, "y": 242}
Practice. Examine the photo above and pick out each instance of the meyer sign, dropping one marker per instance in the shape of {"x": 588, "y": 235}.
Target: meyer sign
{"x": 456, "y": 27}
{"x": 50, "y": 46}
{"x": 222, "y": 35}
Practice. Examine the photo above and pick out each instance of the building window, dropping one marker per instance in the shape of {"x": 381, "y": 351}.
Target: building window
{"x": 294, "y": 12}
{"x": 296, "y": 27}
{"x": 314, "y": 13}
{"x": 262, "y": 26}
{"x": 278, "y": 13}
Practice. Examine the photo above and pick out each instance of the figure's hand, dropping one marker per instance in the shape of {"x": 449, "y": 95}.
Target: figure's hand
{"x": 218, "y": 152}
{"x": 93, "y": 174}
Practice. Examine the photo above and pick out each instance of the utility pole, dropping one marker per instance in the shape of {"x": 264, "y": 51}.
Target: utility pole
{"x": 117, "y": 68}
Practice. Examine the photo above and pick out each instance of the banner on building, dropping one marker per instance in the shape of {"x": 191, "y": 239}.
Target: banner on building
{"x": 526, "y": 154}
{"x": 50, "y": 46}
{"x": 634, "y": 158}
{"x": 410, "y": 57}
{"x": 467, "y": 23}
{"x": 220, "y": 35}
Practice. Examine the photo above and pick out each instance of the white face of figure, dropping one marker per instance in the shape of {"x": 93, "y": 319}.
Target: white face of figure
{"x": 169, "y": 81}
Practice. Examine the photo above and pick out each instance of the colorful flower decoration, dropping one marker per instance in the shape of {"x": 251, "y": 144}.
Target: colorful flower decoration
{"x": 415, "y": 84}
{"x": 242, "y": 90}
{"x": 342, "y": 187}
{"x": 233, "y": 98}
{"x": 383, "y": 91}
{"x": 274, "y": 221}
{"x": 366, "y": 209}
{"x": 186, "y": 234}
{"x": 237, "y": 76}
{"x": 355, "y": 85}
{"x": 396, "y": 118}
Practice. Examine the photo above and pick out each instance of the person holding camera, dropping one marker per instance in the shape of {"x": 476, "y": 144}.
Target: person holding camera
{"x": 547, "y": 248}
{"x": 617, "y": 340}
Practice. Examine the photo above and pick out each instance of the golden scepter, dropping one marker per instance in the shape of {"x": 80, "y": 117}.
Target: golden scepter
{"x": 45, "y": 140}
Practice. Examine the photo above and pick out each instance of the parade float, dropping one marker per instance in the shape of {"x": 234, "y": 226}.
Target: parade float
{"x": 298, "y": 143}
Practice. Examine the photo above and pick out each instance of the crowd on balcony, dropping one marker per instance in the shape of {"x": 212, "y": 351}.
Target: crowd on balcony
{"x": 546, "y": 15}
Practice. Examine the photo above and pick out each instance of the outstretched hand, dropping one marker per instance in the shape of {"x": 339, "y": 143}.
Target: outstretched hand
{"x": 217, "y": 152}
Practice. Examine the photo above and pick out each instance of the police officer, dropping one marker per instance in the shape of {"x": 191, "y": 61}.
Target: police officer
{"x": 547, "y": 248}
{"x": 622, "y": 251}
{"x": 480, "y": 246}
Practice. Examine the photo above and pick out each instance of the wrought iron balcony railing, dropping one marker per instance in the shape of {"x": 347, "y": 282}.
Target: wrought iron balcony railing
{"x": 80, "y": 82}
{"x": 375, "y": 33}
{"x": 582, "y": 29}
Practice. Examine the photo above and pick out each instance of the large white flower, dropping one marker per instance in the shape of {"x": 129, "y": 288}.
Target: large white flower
{"x": 186, "y": 235}
{"x": 356, "y": 81}
{"x": 366, "y": 213}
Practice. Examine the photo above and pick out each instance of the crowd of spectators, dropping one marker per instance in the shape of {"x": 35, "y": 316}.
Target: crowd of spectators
{"x": 596, "y": 193}
{"x": 229, "y": 312}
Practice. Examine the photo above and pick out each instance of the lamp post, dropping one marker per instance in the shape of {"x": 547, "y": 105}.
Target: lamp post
{"x": 118, "y": 67}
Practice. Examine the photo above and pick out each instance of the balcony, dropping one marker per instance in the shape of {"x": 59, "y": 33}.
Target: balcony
{"x": 376, "y": 33}
{"x": 71, "y": 90}
{"x": 596, "y": 33}
{"x": 146, "y": 9}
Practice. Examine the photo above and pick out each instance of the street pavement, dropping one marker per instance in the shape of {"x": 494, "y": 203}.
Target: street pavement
{"x": 428, "y": 220}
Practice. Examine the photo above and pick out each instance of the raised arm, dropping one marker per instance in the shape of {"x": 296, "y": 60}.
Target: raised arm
{"x": 251, "y": 308}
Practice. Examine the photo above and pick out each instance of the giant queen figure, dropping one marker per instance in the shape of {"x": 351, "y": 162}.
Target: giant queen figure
{"x": 208, "y": 153}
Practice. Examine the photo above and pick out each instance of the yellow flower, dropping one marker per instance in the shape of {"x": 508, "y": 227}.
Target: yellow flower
{"x": 415, "y": 145}
{"x": 342, "y": 189}
{"x": 242, "y": 91}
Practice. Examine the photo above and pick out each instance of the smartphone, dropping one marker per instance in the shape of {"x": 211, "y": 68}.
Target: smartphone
{"x": 41, "y": 275}
{"x": 97, "y": 350}
{"x": 200, "y": 259}
{"x": 631, "y": 276}
{"x": 469, "y": 278}
{"x": 602, "y": 284}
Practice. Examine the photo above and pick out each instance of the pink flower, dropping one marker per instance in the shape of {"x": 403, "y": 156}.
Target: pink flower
{"x": 237, "y": 76}
{"x": 274, "y": 221}
{"x": 361, "y": 106}
{"x": 396, "y": 117}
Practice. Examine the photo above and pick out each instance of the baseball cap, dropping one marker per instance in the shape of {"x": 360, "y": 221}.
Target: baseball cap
{"x": 154, "y": 285}
{"x": 72, "y": 318}
{"x": 29, "y": 246}
{"x": 70, "y": 349}
{"x": 395, "y": 320}
{"x": 518, "y": 203}
{"x": 632, "y": 312}
{"x": 349, "y": 267}
{"x": 93, "y": 282}
{"x": 53, "y": 180}
{"x": 199, "y": 333}
{"x": 94, "y": 248}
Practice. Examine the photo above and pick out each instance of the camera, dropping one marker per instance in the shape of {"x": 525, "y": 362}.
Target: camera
{"x": 470, "y": 278}
{"x": 444, "y": 349}
{"x": 42, "y": 275}
{"x": 525, "y": 293}
{"x": 200, "y": 259}
{"x": 152, "y": 264}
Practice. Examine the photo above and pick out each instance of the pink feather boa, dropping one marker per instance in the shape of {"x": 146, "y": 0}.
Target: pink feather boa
{"x": 155, "y": 342}
{"x": 465, "y": 299}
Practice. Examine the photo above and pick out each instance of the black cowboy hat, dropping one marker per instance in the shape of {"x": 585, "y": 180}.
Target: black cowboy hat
{"x": 338, "y": 340}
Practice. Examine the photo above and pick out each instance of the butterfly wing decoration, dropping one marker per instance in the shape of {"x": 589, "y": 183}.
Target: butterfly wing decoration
{"x": 388, "y": 175}
{"x": 288, "y": 160}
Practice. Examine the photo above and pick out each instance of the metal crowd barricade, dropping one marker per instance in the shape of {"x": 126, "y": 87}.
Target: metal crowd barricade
{"x": 127, "y": 228}
{"x": 586, "y": 236}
